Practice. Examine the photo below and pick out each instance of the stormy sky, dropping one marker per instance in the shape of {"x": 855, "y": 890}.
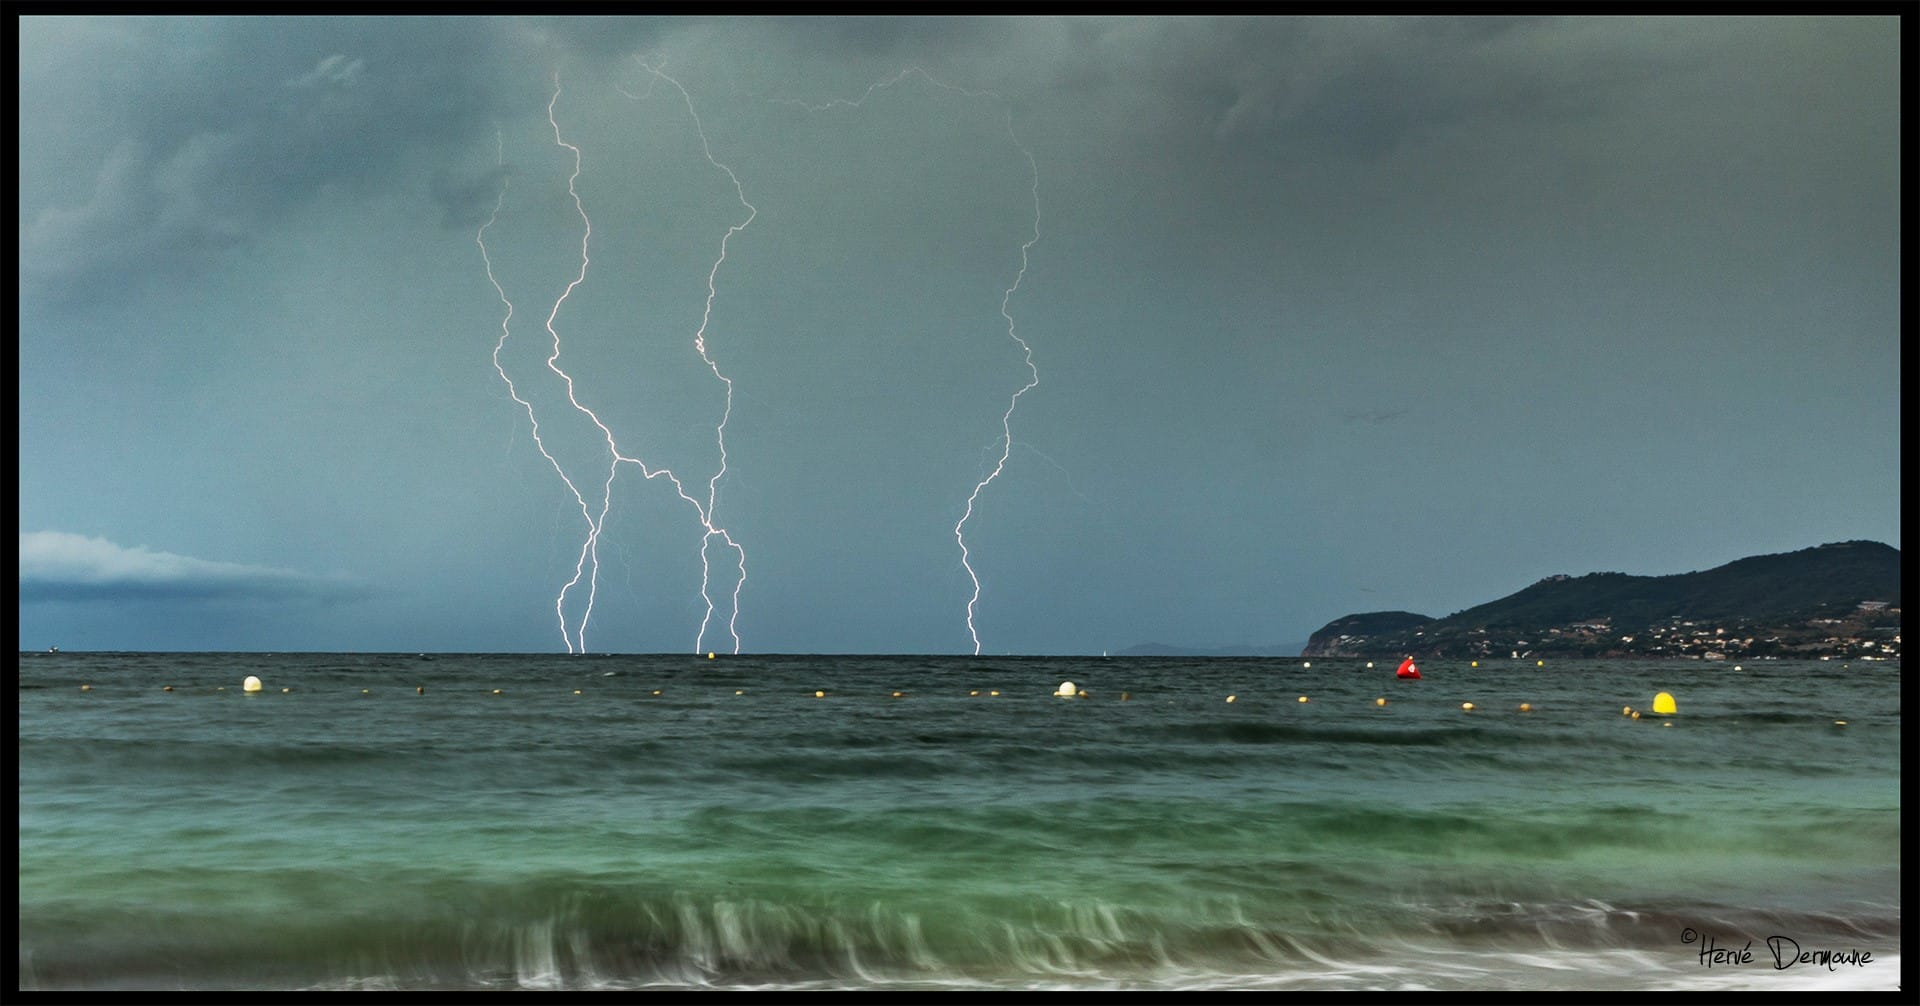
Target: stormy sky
{"x": 1327, "y": 315}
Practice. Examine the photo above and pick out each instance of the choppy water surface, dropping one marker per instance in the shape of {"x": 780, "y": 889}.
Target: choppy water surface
{"x": 651, "y": 821}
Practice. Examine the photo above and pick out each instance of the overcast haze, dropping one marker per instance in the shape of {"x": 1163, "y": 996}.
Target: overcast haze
{"x": 1328, "y": 316}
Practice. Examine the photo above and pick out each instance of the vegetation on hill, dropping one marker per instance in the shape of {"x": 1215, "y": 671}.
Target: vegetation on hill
{"x": 1841, "y": 599}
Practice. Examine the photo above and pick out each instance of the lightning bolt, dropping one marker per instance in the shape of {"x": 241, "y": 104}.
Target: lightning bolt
{"x": 587, "y": 565}
{"x": 700, "y": 346}
{"x": 506, "y": 320}
{"x": 1033, "y": 380}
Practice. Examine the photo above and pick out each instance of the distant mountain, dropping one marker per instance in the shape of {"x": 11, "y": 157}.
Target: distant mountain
{"x": 1166, "y": 650}
{"x": 1841, "y": 599}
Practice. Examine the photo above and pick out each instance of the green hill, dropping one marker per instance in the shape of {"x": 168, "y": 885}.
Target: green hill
{"x": 1836, "y": 599}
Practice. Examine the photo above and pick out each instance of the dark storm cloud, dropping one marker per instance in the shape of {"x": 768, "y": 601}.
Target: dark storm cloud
{"x": 871, "y": 36}
{"x": 1280, "y": 259}
{"x": 185, "y": 137}
{"x": 1374, "y": 416}
{"x": 612, "y": 37}
{"x": 465, "y": 200}
{"x": 217, "y": 128}
{"x": 1295, "y": 88}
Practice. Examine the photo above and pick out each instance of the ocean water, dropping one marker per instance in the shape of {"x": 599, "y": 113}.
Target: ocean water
{"x": 375, "y": 821}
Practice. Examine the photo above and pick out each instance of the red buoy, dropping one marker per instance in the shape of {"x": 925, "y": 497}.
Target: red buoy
{"x": 1407, "y": 670}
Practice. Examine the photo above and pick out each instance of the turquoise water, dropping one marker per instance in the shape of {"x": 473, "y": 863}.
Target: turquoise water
{"x": 735, "y": 831}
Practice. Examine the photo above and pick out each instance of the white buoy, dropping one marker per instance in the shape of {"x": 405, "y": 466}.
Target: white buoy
{"x": 1066, "y": 690}
{"x": 252, "y": 684}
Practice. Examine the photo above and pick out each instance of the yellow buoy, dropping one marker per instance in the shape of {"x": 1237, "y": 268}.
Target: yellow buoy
{"x": 1381, "y": 701}
{"x": 993, "y": 694}
{"x": 1626, "y": 710}
{"x": 1539, "y": 663}
{"x": 1065, "y": 690}
{"x": 656, "y": 691}
{"x": 899, "y": 695}
{"x": 1467, "y": 706}
{"x": 86, "y": 688}
{"x": 1667, "y": 723}
{"x": 739, "y": 691}
{"x": 286, "y": 691}
{"x": 1303, "y": 698}
{"x": 974, "y": 692}
{"x": 1307, "y": 664}
{"x": 420, "y": 689}
{"x": 1369, "y": 665}
{"x": 576, "y": 691}
{"x": 252, "y": 684}
{"x": 1475, "y": 664}
{"x": 709, "y": 654}
{"x": 1232, "y": 698}
{"x": 1839, "y": 723}
{"x": 1526, "y": 708}
{"x": 1663, "y": 704}
{"x": 1124, "y": 697}
{"x": 498, "y": 692}
{"x": 819, "y": 695}
{"x": 167, "y": 688}
{"x": 1636, "y": 714}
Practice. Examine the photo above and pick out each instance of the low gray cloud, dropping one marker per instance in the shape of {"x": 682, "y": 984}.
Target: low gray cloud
{"x": 61, "y": 566}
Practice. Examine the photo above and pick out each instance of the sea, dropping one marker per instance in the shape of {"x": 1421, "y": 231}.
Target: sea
{"x": 781, "y": 823}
